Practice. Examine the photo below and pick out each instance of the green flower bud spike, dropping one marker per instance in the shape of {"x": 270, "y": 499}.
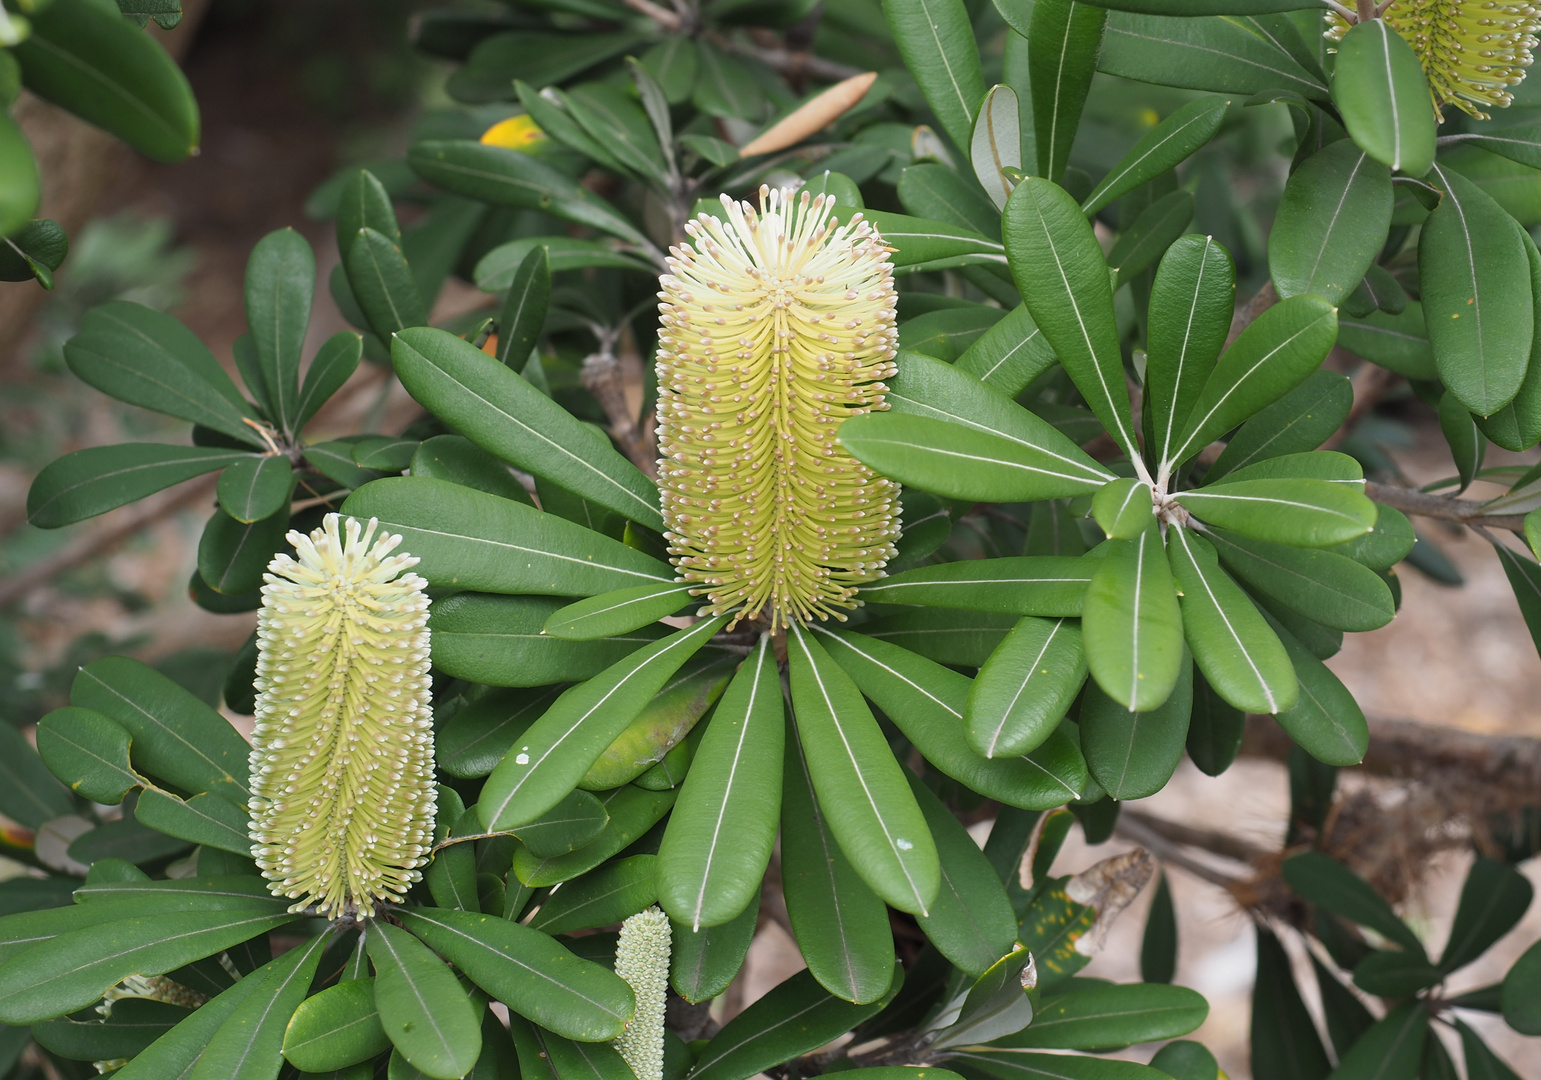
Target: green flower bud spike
{"x": 1472, "y": 50}
{"x": 642, "y": 959}
{"x": 776, "y": 326}
{"x": 342, "y": 755}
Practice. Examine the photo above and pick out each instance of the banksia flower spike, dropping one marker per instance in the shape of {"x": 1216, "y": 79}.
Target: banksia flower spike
{"x": 642, "y": 959}
{"x": 342, "y": 755}
{"x": 776, "y": 327}
{"x": 1472, "y": 50}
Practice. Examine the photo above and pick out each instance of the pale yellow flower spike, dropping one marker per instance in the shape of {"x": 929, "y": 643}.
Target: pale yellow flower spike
{"x": 342, "y": 755}
{"x": 1472, "y": 50}
{"x": 776, "y": 327}
{"x": 642, "y": 959}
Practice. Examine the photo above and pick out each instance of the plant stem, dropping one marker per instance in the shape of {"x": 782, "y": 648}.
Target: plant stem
{"x": 1441, "y": 507}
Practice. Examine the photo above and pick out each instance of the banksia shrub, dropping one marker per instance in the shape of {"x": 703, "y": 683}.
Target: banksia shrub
{"x": 777, "y": 326}
{"x": 342, "y": 755}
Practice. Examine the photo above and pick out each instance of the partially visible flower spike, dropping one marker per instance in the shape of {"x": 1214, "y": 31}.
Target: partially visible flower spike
{"x": 642, "y": 959}
{"x": 1472, "y": 50}
{"x": 776, "y": 327}
{"x": 342, "y": 755}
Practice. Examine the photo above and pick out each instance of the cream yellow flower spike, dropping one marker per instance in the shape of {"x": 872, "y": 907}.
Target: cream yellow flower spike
{"x": 642, "y": 959}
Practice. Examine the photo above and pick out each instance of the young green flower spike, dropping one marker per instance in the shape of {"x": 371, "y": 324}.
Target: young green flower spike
{"x": 1472, "y": 50}
{"x": 642, "y": 959}
{"x": 776, "y": 326}
{"x": 342, "y": 755}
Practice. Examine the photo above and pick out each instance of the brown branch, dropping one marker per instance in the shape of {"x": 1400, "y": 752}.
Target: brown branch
{"x": 1218, "y": 843}
{"x": 788, "y": 62}
{"x": 662, "y": 16}
{"x": 1265, "y": 298}
{"x": 1442, "y": 507}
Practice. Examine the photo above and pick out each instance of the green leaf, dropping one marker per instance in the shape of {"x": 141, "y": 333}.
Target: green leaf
{"x": 1009, "y": 355}
{"x": 460, "y": 461}
{"x": 249, "y": 1044}
{"x": 704, "y": 962}
{"x": 617, "y": 612}
{"x": 859, "y": 784}
{"x": 1156, "y": 229}
{"x": 1332, "y": 222}
{"x": 1304, "y": 512}
{"x": 1240, "y": 656}
{"x": 920, "y": 244}
{"x": 1521, "y": 995}
{"x": 1123, "y": 508}
{"x": 936, "y": 41}
{"x": 926, "y": 702}
{"x": 177, "y": 737}
{"x": 938, "y": 193}
{"x": 1025, "y": 689}
{"x": 132, "y": 1027}
{"x": 472, "y": 741}
{"x": 523, "y": 314}
{"x": 1060, "y": 271}
{"x": 1494, "y": 898}
{"x": 1186, "y": 1060}
{"x": 614, "y": 892}
{"x": 124, "y": 839}
{"x": 997, "y": 143}
{"x": 1299, "y": 421}
{"x": 88, "y": 752}
{"x": 529, "y": 971}
{"x": 971, "y": 922}
{"x": 1215, "y": 730}
{"x": 19, "y": 183}
{"x": 1395, "y": 974}
{"x": 1163, "y": 147}
{"x": 1477, "y": 303}
{"x": 85, "y": 57}
{"x": 841, "y": 926}
{"x": 233, "y": 557}
{"x": 1158, "y": 946}
{"x": 673, "y": 63}
{"x": 1275, "y": 353}
{"x": 422, "y": 1006}
{"x": 336, "y": 1028}
{"x": 1323, "y": 586}
{"x": 1391, "y": 1050}
{"x": 506, "y": 177}
{"x": 204, "y": 819}
{"x": 176, "y": 1052}
{"x": 364, "y": 204}
{"x": 501, "y": 412}
{"x": 280, "y": 283}
{"x": 1327, "y": 883}
{"x": 632, "y": 811}
{"x": 35, "y": 249}
{"x": 28, "y": 795}
{"x": 1390, "y": 542}
{"x": 559, "y": 748}
{"x": 1481, "y": 1062}
{"x": 1190, "y": 315}
{"x": 1285, "y": 1045}
{"x": 1517, "y": 426}
{"x": 1222, "y": 55}
{"x": 1379, "y": 89}
{"x": 382, "y": 284}
{"x": 1525, "y": 579}
{"x": 1062, "y": 44}
{"x": 1133, "y": 754}
{"x": 567, "y": 826}
{"x": 793, "y": 1018}
{"x": 256, "y": 487}
{"x": 963, "y": 638}
{"x": 1109, "y": 1015}
{"x": 1467, "y": 446}
{"x": 1397, "y": 342}
{"x": 723, "y": 828}
{"x": 723, "y": 88}
{"x": 1131, "y": 626}
{"x": 1025, "y": 1065}
{"x": 73, "y": 970}
{"x": 500, "y": 268}
{"x": 470, "y": 540}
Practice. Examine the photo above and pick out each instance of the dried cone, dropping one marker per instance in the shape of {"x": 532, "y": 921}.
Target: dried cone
{"x": 1472, "y": 50}
{"x": 775, "y": 327}
{"x": 342, "y": 755}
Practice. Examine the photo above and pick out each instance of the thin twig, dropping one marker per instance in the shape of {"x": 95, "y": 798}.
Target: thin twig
{"x": 662, "y": 16}
{"x": 1131, "y": 828}
{"x": 1217, "y": 843}
{"x": 786, "y": 61}
{"x": 1441, "y": 507}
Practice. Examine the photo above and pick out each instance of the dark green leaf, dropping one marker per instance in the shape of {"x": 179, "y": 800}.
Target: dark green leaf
{"x": 1024, "y": 690}
{"x": 1062, "y": 45}
{"x": 1163, "y": 147}
{"x": 1158, "y": 947}
{"x": 1106, "y": 1016}
{"x": 631, "y": 810}
{"x": 1332, "y": 222}
{"x": 1493, "y": 899}
{"x": 1009, "y": 355}
{"x": 382, "y": 284}
{"x": 133, "y": 1025}
{"x": 1133, "y": 754}
{"x": 249, "y": 1044}
{"x": 1190, "y": 314}
{"x": 1222, "y": 55}
{"x": 1156, "y": 229}
{"x": 422, "y": 1006}
{"x": 1326, "y": 722}
{"x": 474, "y": 740}
{"x": 1329, "y": 884}
{"x": 614, "y": 892}
{"x": 1395, "y": 974}
{"x": 1285, "y": 1045}
{"x": 89, "y": 753}
{"x": 1324, "y": 587}
{"x": 336, "y": 1028}
{"x": 1186, "y": 1060}
{"x": 997, "y": 1004}
{"x": 205, "y": 819}
{"x": 567, "y": 826}
{"x": 175, "y": 1053}
{"x": 1379, "y": 88}
{"x": 28, "y": 795}
{"x": 232, "y": 557}
{"x": 936, "y": 41}
{"x": 1131, "y": 626}
{"x": 523, "y": 314}
{"x": 1391, "y": 1050}
{"x": 460, "y": 461}
{"x": 280, "y": 283}
{"x": 1299, "y": 421}
{"x": 256, "y": 487}
{"x": 617, "y": 612}
{"x": 1521, "y": 997}
{"x": 1466, "y": 443}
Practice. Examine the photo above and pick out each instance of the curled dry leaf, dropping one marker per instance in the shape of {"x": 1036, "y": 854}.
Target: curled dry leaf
{"x": 811, "y": 116}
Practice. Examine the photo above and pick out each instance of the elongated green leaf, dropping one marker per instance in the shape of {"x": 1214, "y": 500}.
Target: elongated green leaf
{"x": 529, "y": 971}
{"x": 460, "y": 461}
{"x": 796, "y": 1016}
{"x": 1285, "y": 1045}
{"x": 1100, "y": 1017}
{"x": 1052, "y": 586}
{"x": 1395, "y": 974}
{"x": 1303, "y": 512}
{"x": 1133, "y": 754}
{"x": 926, "y": 702}
{"x": 631, "y": 810}
{"x": 937, "y": 43}
{"x": 232, "y": 556}
{"x": 506, "y": 177}
{"x": 1299, "y": 421}
{"x": 1062, "y": 43}
{"x": 1158, "y": 945}
{"x": 840, "y": 924}
{"x": 1477, "y": 302}
{"x": 1332, "y": 222}
{"x": 720, "y": 835}
{"x": 382, "y": 284}
{"x": 1190, "y": 314}
{"x": 206, "y": 819}
{"x": 1060, "y": 271}
{"x": 1327, "y": 883}
{"x": 937, "y": 193}
{"x": 1024, "y": 690}
{"x": 1158, "y": 227}
{"x": 20, "y": 183}
{"x": 1391, "y": 1050}
{"x": 249, "y": 1044}
{"x": 474, "y": 740}
{"x": 132, "y": 1027}
{"x": 572, "y": 823}
{"x": 280, "y": 282}
{"x": 615, "y": 891}
{"x": 1223, "y": 55}
{"x": 87, "y": 58}
{"x": 1027, "y": 1065}
{"x": 704, "y": 962}
{"x": 523, "y": 315}
{"x": 175, "y": 1053}
{"x": 1326, "y": 721}
{"x": 502, "y": 267}
{"x": 1519, "y": 999}
{"x": 28, "y": 795}
{"x": 997, "y": 1004}
{"x": 1009, "y": 355}
{"x": 1131, "y": 625}
{"x": 1276, "y": 353}
{"x": 1240, "y": 656}
{"x": 664, "y": 723}
{"x": 964, "y": 638}
{"x": 1380, "y": 90}
{"x": 1494, "y": 898}
{"x": 1323, "y": 586}
{"x": 1517, "y": 426}
{"x": 1163, "y": 147}
{"x": 617, "y": 612}
{"x": 422, "y": 1006}
{"x": 997, "y": 143}
{"x": 336, "y": 1028}
{"x": 558, "y": 749}
{"x": 89, "y": 752}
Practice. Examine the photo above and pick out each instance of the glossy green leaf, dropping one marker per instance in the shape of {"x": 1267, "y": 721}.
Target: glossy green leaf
{"x": 1275, "y": 353}
{"x": 460, "y": 461}
{"x": 664, "y": 722}
{"x": 19, "y": 182}
{"x": 1215, "y": 730}
{"x": 523, "y": 314}
{"x": 249, "y": 1044}
{"x": 922, "y": 244}
{"x": 614, "y": 892}
{"x": 1133, "y": 754}
{"x": 1285, "y": 1045}
{"x": 336, "y": 1028}
{"x": 936, "y": 41}
{"x": 382, "y": 284}
{"x": 1190, "y": 314}
{"x": 256, "y": 487}
{"x": 617, "y": 612}
{"x": 704, "y": 962}
{"x": 1299, "y": 421}
{"x": 1163, "y": 147}
{"x": 1063, "y": 41}
{"x": 1467, "y": 446}
{"x": 364, "y": 203}
{"x": 232, "y": 556}
{"x": 472, "y": 741}
{"x": 1481, "y": 1062}
{"x": 1398, "y": 342}
{"x": 422, "y": 1006}
{"x": 1099, "y": 1017}
{"x": 1323, "y": 586}
{"x": 132, "y": 1027}
{"x": 859, "y": 785}
{"x": 1494, "y": 898}
{"x": 559, "y": 748}
{"x": 1387, "y": 544}
{"x": 722, "y": 90}
{"x": 631, "y": 812}
{"x": 280, "y": 283}
{"x": 1185, "y": 1059}
{"x": 1326, "y": 721}
{"x": 1477, "y": 303}
{"x": 1332, "y": 222}
{"x": 501, "y": 268}
{"x": 1327, "y": 883}
{"x": 1222, "y": 55}
{"x": 87, "y": 58}
{"x": 571, "y": 824}
{"x": 1024, "y": 690}
{"x": 176, "y": 1052}
{"x": 997, "y": 143}
{"x": 1046, "y": 585}
{"x": 1060, "y": 271}
{"x": 926, "y": 701}
{"x": 723, "y": 828}
{"x": 795, "y": 1017}
{"x": 1027, "y": 1065}
{"x": 1517, "y": 426}
{"x": 206, "y": 819}
{"x": 1379, "y": 88}
{"x": 936, "y": 192}
{"x": 1131, "y": 626}
{"x": 1009, "y": 355}
{"x": 1391, "y": 1050}
{"x": 89, "y": 752}
{"x": 841, "y": 926}
{"x": 998, "y": 1004}
{"x": 1304, "y": 512}
{"x": 124, "y": 839}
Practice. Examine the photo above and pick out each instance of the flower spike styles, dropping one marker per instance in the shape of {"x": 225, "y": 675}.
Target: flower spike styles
{"x": 776, "y": 326}
{"x": 1472, "y": 50}
{"x": 642, "y": 959}
{"x": 342, "y": 755}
